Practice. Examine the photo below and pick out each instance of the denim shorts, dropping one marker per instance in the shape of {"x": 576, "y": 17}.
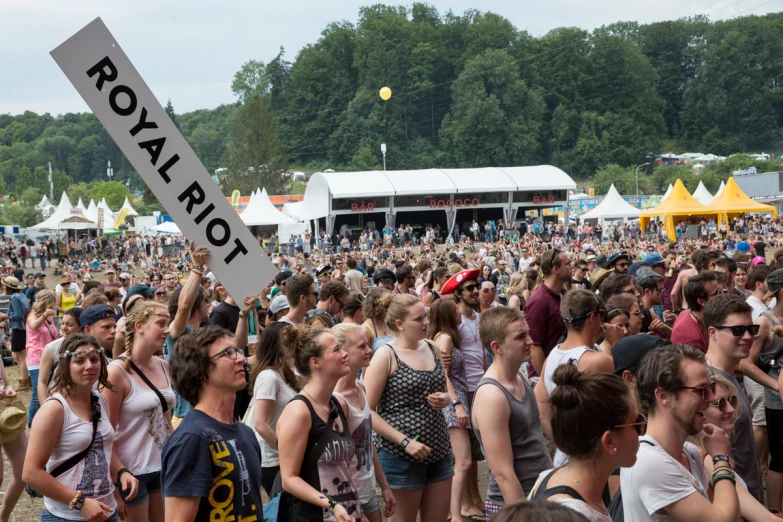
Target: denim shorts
{"x": 403, "y": 474}
{"x": 372, "y": 506}
{"x": 48, "y": 517}
{"x": 148, "y": 483}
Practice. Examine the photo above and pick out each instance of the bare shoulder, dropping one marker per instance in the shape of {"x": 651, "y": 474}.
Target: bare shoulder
{"x": 598, "y": 362}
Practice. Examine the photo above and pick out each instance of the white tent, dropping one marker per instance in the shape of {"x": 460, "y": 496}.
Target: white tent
{"x": 45, "y": 207}
{"x": 293, "y": 210}
{"x": 703, "y": 195}
{"x": 720, "y": 189}
{"x": 92, "y": 211}
{"x": 127, "y": 205}
{"x": 612, "y": 207}
{"x": 668, "y": 191}
{"x": 262, "y": 212}
{"x": 167, "y": 227}
{"x": 63, "y": 211}
{"x": 80, "y": 206}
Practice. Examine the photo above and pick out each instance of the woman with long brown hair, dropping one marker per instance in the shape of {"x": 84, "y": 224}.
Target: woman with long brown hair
{"x": 531, "y": 283}
{"x": 437, "y": 278}
{"x": 40, "y": 331}
{"x": 274, "y": 384}
{"x": 445, "y": 319}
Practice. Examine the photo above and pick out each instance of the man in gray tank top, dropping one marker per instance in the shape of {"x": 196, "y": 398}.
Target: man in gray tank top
{"x": 505, "y": 414}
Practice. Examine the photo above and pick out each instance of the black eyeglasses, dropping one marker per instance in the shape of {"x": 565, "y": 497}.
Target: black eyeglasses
{"x": 488, "y": 290}
{"x": 739, "y": 330}
{"x": 704, "y": 389}
{"x": 640, "y": 425}
{"x": 230, "y": 353}
{"x": 721, "y": 404}
{"x": 469, "y": 288}
{"x": 160, "y": 293}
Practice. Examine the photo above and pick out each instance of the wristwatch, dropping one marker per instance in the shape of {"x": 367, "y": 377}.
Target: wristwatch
{"x": 405, "y": 441}
{"x": 455, "y": 401}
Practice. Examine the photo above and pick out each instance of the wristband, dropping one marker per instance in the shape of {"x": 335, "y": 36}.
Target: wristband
{"x": 717, "y": 479}
{"x": 332, "y": 504}
{"x": 77, "y": 500}
{"x": 455, "y": 401}
{"x": 724, "y": 458}
{"x": 120, "y": 473}
{"x": 405, "y": 441}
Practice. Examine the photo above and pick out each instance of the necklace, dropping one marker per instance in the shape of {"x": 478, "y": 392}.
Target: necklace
{"x": 595, "y": 504}
{"x": 318, "y": 403}
{"x": 473, "y": 332}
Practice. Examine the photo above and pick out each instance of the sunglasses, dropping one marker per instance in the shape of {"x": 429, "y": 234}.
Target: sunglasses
{"x": 721, "y": 404}
{"x": 704, "y": 390}
{"x": 487, "y": 290}
{"x": 640, "y": 425}
{"x": 739, "y": 330}
{"x": 161, "y": 293}
{"x": 469, "y": 288}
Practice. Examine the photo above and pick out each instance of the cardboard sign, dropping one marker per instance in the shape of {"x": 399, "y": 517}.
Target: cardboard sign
{"x": 104, "y": 76}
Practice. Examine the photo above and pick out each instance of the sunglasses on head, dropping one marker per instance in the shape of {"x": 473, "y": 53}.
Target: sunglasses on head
{"x": 739, "y": 330}
{"x": 640, "y": 425}
{"x": 721, "y": 404}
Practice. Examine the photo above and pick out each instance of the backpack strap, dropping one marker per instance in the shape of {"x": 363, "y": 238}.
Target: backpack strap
{"x": 543, "y": 492}
{"x": 71, "y": 462}
{"x": 163, "y": 404}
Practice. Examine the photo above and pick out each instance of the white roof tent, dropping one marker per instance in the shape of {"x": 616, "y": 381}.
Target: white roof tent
{"x": 331, "y": 193}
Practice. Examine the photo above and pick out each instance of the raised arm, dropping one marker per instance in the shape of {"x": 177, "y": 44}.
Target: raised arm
{"x": 189, "y": 291}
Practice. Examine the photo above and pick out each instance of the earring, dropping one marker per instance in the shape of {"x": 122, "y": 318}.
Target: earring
{"x": 615, "y": 450}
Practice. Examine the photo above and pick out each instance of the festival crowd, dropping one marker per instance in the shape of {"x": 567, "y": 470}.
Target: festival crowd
{"x": 602, "y": 375}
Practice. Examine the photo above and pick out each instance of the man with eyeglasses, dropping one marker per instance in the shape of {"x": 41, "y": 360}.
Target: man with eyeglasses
{"x": 525, "y": 259}
{"x": 331, "y": 300}
{"x": 689, "y": 326}
{"x": 500, "y": 278}
{"x": 302, "y": 298}
{"x": 406, "y": 281}
{"x": 651, "y": 284}
{"x": 731, "y": 331}
{"x": 618, "y": 261}
{"x": 669, "y": 480}
{"x": 211, "y": 464}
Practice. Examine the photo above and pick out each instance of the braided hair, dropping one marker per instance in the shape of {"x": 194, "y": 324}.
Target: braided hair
{"x": 140, "y": 314}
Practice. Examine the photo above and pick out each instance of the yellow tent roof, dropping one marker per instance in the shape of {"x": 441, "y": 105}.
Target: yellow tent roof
{"x": 733, "y": 201}
{"x": 679, "y": 203}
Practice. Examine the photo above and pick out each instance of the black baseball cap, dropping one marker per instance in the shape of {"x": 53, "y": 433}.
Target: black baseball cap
{"x": 39, "y": 274}
{"x": 95, "y": 313}
{"x": 629, "y": 351}
{"x": 383, "y": 273}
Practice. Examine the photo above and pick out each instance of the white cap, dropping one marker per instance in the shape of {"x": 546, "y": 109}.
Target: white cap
{"x": 125, "y": 275}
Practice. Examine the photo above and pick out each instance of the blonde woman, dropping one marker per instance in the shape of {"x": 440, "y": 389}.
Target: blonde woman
{"x": 516, "y": 286}
{"x": 531, "y": 284}
{"x": 140, "y": 407}
{"x": 40, "y": 331}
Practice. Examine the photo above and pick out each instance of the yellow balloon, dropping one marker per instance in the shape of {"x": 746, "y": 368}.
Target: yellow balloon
{"x": 385, "y": 93}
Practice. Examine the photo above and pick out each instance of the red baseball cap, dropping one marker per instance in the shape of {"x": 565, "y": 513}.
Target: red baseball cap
{"x": 459, "y": 278}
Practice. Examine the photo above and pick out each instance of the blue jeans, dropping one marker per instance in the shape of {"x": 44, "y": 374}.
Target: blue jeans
{"x": 34, "y": 404}
{"x": 48, "y": 517}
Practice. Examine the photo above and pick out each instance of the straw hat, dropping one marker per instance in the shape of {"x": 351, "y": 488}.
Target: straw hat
{"x": 13, "y": 418}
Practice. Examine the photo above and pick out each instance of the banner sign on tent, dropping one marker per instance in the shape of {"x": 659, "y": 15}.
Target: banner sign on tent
{"x": 104, "y": 76}
{"x": 121, "y": 217}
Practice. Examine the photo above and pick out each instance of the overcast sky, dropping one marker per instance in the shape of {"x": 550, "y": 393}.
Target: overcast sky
{"x": 188, "y": 51}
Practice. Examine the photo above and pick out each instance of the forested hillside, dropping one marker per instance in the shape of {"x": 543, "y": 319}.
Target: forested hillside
{"x": 468, "y": 90}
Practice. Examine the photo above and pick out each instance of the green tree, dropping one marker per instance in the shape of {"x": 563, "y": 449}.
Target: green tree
{"x": 80, "y": 190}
{"x": 624, "y": 180}
{"x": 23, "y": 212}
{"x": 114, "y": 192}
{"x": 251, "y": 80}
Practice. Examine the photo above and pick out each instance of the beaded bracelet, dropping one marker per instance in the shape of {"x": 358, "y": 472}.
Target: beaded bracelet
{"x": 332, "y": 504}
{"x": 727, "y": 459}
{"x": 718, "y": 478}
{"x": 76, "y": 499}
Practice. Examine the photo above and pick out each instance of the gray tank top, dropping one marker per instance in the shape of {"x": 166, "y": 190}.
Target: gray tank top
{"x": 769, "y": 353}
{"x": 527, "y": 441}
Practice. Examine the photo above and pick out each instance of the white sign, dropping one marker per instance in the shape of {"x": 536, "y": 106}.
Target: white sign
{"x": 104, "y": 76}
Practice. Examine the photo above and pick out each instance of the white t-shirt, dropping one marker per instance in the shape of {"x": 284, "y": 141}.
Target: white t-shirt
{"x": 472, "y": 351}
{"x": 759, "y": 307}
{"x": 271, "y": 387}
{"x": 658, "y": 480}
{"x": 524, "y": 262}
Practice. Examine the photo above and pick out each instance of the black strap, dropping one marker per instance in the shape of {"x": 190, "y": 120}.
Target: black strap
{"x": 70, "y": 463}
{"x": 543, "y": 492}
{"x": 163, "y": 404}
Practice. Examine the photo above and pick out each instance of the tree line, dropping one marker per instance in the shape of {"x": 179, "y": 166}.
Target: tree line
{"x": 469, "y": 90}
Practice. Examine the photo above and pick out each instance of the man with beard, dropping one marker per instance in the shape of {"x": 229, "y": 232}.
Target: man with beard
{"x": 669, "y": 481}
{"x": 618, "y": 261}
{"x": 731, "y": 330}
{"x": 542, "y": 310}
{"x": 465, "y": 288}
{"x": 501, "y": 279}
{"x": 100, "y": 321}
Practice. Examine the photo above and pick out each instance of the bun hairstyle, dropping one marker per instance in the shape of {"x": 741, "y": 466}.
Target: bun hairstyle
{"x": 584, "y": 406}
{"x": 372, "y": 307}
{"x": 301, "y": 345}
{"x": 397, "y": 308}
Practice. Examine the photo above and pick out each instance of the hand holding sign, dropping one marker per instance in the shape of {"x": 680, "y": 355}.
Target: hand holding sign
{"x": 104, "y": 76}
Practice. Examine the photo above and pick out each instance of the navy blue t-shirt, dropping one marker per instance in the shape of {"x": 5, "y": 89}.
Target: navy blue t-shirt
{"x": 221, "y": 463}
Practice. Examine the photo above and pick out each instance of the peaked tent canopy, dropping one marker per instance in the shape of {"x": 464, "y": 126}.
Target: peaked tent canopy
{"x": 613, "y": 206}
{"x": 62, "y": 212}
{"x": 702, "y": 194}
{"x": 732, "y": 201}
{"x": 167, "y": 227}
{"x": 128, "y": 206}
{"x": 720, "y": 189}
{"x": 293, "y": 210}
{"x": 262, "y": 212}
{"x": 668, "y": 193}
{"x": 80, "y": 206}
{"x": 680, "y": 204}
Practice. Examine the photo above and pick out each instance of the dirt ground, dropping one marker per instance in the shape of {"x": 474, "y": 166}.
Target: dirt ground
{"x": 28, "y": 509}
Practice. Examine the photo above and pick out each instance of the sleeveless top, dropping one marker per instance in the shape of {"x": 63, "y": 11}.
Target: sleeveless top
{"x": 37, "y": 339}
{"x": 362, "y": 468}
{"x": 772, "y": 352}
{"x": 377, "y": 342}
{"x": 404, "y": 406}
{"x": 527, "y": 440}
{"x": 67, "y": 303}
{"x": 142, "y": 429}
{"x": 555, "y": 358}
{"x": 460, "y": 384}
{"x": 92, "y": 475}
{"x": 576, "y": 502}
{"x": 326, "y": 466}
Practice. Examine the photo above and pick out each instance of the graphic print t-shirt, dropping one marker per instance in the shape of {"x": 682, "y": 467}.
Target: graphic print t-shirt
{"x": 221, "y": 463}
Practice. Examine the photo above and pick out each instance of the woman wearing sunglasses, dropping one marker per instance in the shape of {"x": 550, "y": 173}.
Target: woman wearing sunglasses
{"x": 596, "y": 422}
{"x": 722, "y": 413}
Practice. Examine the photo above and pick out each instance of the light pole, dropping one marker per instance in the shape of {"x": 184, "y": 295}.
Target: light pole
{"x": 637, "y": 177}
{"x": 110, "y": 171}
{"x": 383, "y": 151}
